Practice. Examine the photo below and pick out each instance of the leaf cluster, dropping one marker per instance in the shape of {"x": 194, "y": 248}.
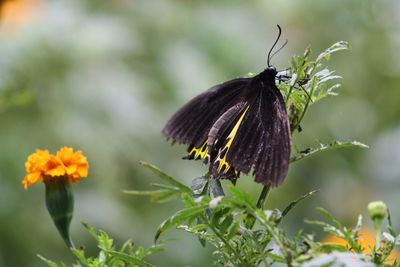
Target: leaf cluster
{"x": 128, "y": 255}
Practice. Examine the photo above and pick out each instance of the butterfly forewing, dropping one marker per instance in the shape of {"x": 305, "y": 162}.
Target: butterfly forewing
{"x": 192, "y": 123}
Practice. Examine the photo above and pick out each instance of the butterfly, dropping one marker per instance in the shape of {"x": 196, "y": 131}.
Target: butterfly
{"x": 237, "y": 127}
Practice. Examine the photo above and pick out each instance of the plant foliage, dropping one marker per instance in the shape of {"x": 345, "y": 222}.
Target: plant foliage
{"x": 240, "y": 231}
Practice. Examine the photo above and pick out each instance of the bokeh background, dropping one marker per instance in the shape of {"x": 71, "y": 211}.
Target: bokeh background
{"x": 103, "y": 76}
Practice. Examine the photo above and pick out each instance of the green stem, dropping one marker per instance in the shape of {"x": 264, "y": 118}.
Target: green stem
{"x": 263, "y": 196}
{"x": 223, "y": 240}
{"x": 378, "y": 239}
{"x": 304, "y": 110}
{"x": 276, "y": 237}
{"x": 251, "y": 220}
{"x": 289, "y": 93}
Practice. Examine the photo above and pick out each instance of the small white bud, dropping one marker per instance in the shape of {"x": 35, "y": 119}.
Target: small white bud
{"x": 214, "y": 202}
{"x": 388, "y": 237}
{"x": 198, "y": 199}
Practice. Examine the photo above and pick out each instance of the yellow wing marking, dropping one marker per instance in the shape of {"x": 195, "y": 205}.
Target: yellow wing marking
{"x": 224, "y": 152}
{"x": 199, "y": 152}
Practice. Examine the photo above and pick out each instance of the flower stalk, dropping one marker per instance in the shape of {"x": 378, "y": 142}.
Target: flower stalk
{"x": 377, "y": 211}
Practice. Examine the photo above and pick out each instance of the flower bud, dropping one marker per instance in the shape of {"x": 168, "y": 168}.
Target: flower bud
{"x": 377, "y": 210}
{"x": 214, "y": 202}
{"x": 60, "y": 204}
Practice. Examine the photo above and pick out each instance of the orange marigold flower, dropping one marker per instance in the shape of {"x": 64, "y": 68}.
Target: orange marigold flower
{"x": 14, "y": 13}
{"x": 367, "y": 241}
{"x": 75, "y": 163}
{"x": 41, "y": 166}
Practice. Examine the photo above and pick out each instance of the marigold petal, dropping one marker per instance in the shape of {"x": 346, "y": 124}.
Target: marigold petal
{"x": 31, "y": 179}
{"x": 37, "y": 161}
{"x": 56, "y": 171}
{"x": 71, "y": 169}
{"x": 83, "y": 170}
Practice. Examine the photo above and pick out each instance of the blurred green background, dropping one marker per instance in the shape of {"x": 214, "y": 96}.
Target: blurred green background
{"x": 104, "y": 76}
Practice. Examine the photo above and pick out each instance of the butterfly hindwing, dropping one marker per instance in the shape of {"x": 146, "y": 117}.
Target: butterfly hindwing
{"x": 192, "y": 123}
{"x": 259, "y": 139}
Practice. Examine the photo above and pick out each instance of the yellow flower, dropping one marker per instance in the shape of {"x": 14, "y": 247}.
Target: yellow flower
{"x": 42, "y": 166}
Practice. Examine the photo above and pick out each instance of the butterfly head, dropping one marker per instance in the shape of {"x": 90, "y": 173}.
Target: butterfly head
{"x": 269, "y": 74}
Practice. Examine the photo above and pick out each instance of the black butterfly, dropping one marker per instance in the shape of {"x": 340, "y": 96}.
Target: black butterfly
{"x": 237, "y": 126}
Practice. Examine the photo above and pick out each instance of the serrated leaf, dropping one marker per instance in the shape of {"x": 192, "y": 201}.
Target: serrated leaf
{"x": 324, "y": 147}
{"x": 341, "y": 45}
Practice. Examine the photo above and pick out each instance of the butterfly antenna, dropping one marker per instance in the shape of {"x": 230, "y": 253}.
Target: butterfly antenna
{"x": 276, "y": 41}
{"x": 284, "y": 44}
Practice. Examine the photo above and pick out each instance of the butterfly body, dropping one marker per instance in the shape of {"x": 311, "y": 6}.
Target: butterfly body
{"x": 237, "y": 126}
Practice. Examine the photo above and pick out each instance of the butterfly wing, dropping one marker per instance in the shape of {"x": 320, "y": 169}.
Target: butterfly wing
{"x": 259, "y": 139}
{"x": 192, "y": 123}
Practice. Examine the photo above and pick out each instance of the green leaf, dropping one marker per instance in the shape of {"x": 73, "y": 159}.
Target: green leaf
{"x": 275, "y": 258}
{"x": 240, "y": 198}
{"x": 215, "y": 187}
{"x": 179, "y": 217}
{"x": 341, "y": 45}
{"x": 226, "y": 223}
{"x": 329, "y": 217}
{"x": 48, "y": 262}
{"x": 165, "y": 186}
{"x": 80, "y": 255}
{"x": 158, "y": 196}
{"x": 358, "y": 226}
{"x": 324, "y": 147}
{"x": 92, "y": 231}
{"x": 166, "y": 177}
{"x": 233, "y": 230}
{"x": 199, "y": 184}
{"x": 295, "y": 202}
{"x": 217, "y": 214}
{"x": 330, "y": 247}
